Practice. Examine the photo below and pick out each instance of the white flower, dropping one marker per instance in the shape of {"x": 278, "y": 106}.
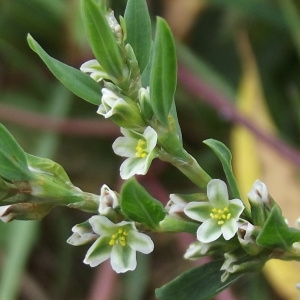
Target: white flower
{"x": 125, "y": 113}
{"x": 95, "y": 69}
{"x": 247, "y": 234}
{"x": 108, "y": 200}
{"x": 198, "y": 249}
{"x": 82, "y": 234}
{"x": 219, "y": 215}
{"x": 259, "y": 192}
{"x": 139, "y": 148}
{"x": 5, "y": 214}
{"x": 110, "y": 100}
{"x": 119, "y": 242}
{"x": 175, "y": 205}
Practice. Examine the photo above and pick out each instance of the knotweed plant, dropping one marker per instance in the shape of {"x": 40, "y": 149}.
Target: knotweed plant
{"x": 132, "y": 81}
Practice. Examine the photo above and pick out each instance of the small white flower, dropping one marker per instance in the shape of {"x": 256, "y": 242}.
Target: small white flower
{"x": 139, "y": 148}
{"x": 82, "y": 234}
{"x": 119, "y": 242}
{"x": 219, "y": 216}
{"x": 110, "y": 101}
{"x": 198, "y": 249}
{"x": 247, "y": 234}
{"x": 95, "y": 69}
{"x": 108, "y": 200}
{"x": 259, "y": 192}
{"x": 123, "y": 111}
{"x": 175, "y": 205}
{"x": 5, "y": 214}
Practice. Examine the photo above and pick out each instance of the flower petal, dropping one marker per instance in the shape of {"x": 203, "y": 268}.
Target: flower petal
{"x": 123, "y": 259}
{"x": 98, "y": 252}
{"x": 229, "y": 229}
{"x": 102, "y": 225}
{"x": 140, "y": 242}
{"x": 132, "y": 166}
{"x": 236, "y": 207}
{"x": 217, "y": 193}
{"x": 125, "y": 146}
{"x": 151, "y": 136}
{"x": 209, "y": 231}
{"x": 199, "y": 211}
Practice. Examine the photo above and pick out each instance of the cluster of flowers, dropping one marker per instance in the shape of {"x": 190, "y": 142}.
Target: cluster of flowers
{"x": 225, "y": 227}
{"x": 220, "y": 220}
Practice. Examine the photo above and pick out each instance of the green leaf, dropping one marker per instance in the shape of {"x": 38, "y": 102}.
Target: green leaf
{"x": 139, "y": 33}
{"x": 163, "y": 77}
{"x": 12, "y": 158}
{"x": 200, "y": 283}
{"x": 48, "y": 167}
{"x": 138, "y": 205}
{"x": 276, "y": 233}
{"x": 102, "y": 40}
{"x": 169, "y": 224}
{"x": 76, "y": 81}
{"x": 224, "y": 155}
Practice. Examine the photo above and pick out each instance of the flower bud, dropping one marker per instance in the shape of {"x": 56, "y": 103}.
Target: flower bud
{"x": 257, "y": 197}
{"x": 24, "y": 211}
{"x": 114, "y": 26}
{"x": 124, "y": 112}
{"x": 145, "y": 102}
{"x": 108, "y": 201}
{"x": 82, "y": 234}
{"x": 247, "y": 237}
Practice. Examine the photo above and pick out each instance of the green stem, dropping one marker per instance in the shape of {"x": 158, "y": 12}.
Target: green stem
{"x": 188, "y": 166}
{"x": 174, "y": 153}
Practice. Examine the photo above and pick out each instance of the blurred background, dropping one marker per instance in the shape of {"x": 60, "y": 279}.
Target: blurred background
{"x": 238, "y": 81}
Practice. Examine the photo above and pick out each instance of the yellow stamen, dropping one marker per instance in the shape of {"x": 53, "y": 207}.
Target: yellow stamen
{"x": 119, "y": 238}
{"x": 221, "y": 215}
{"x": 141, "y": 148}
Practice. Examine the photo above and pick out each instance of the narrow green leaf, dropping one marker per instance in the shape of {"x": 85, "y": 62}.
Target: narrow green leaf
{"x": 163, "y": 77}
{"x": 139, "y": 33}
{"x": 140, "y": 206}
{"x": 102, "y": 40}
{"x": 76, "y": 81}
{"x": 200, "y": 283}
{"x": 12, "y": 158}
{"x": 48, "y": 166}
{"x": 169, "y": 224}
{"x": 292, "y": 19}
{"x": 224, "y": 155}
{"x": 276, "y": 233}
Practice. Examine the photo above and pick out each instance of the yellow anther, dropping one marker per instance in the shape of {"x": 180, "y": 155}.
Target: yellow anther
{"x": 221, "y": 215}
{"x": 141, "y": 148}
{"x": 119, "y": 238}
